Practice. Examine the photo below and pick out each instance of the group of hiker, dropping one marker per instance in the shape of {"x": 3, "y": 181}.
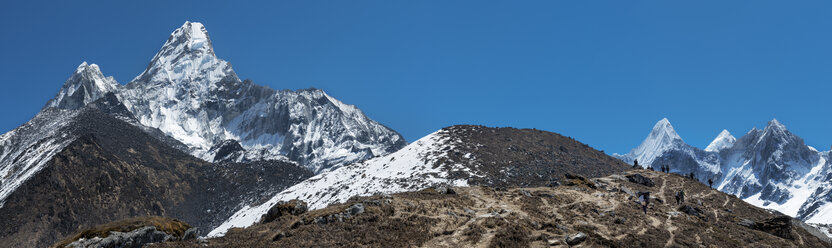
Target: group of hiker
{"x": 644, "y": 197}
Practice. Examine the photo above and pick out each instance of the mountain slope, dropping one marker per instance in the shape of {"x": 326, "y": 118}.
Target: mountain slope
{"x": 607, "y": 216}
{"x": 113, "y": 170}
{"x": 457, "y": 156}
{"x": 771, "y": 168}
{"x": 26, "y": 149}
{"x": 197, "y": 98}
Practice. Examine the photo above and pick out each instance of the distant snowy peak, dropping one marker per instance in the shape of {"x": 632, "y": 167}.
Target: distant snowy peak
{"x": 86, "y": 85}
{"x": 770, "y": 167}
{"x": 661, "y": 138}
{"x": 663, "y": 130}
{"x": 722, "y": 141}
{"x": 775, "y": 129}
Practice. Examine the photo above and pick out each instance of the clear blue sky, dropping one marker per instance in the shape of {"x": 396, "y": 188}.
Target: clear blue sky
{"x": 600, "y": 71}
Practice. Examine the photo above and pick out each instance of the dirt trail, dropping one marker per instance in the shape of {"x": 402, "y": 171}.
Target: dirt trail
{"x": 670, "y": 229}
{"x": 661, "y": 190}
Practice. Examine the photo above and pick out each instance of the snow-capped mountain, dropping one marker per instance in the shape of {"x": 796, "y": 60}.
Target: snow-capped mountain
{"x": 196, "y": 98}
{"x": 107, "y": 168}
{"x": 26, "y": 149}
{"x": 452, "y": 156}
{"x": 191, "y": 95}
{"x": 662, "y": 138}
{"x": 663, "y": 146}
{"x": 722, "y": 141}
{"x": 770, "y": 168}
{"x": 86, "y": 85}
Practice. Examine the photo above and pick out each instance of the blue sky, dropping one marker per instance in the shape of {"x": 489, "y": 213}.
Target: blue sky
{"x": 600, "y": 71}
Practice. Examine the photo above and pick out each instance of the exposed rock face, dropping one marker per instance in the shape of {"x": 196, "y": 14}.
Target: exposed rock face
{"x": 227, "y": 151}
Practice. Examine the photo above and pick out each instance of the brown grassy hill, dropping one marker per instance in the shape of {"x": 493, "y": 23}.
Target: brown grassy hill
{"x": 531, "y": 217}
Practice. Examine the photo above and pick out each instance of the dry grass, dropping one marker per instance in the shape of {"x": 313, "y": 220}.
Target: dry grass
{"x": 167, "y": 225}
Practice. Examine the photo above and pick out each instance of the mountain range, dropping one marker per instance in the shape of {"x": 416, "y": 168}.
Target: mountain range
{"x": 196, "y": 98}
{"x": 770, "y": 168}
{"x": 188, "y": 139}
{"x": 193, "y": 139}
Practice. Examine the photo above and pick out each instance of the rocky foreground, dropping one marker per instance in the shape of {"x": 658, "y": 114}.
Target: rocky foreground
{"x": 602, "y": 212}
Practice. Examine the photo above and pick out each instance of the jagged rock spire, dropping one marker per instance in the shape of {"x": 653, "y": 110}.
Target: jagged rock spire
{"x": 187, "y": 56}
{"x": 86, "y": 85}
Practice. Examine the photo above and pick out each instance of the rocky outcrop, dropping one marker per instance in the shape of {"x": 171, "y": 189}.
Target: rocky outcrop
{"x": 129, "y": 233}
{"x": 639, "y": 179}
{"x": 293, "y": 207}
{"x": 576, "y": 239}
{"x": 779, "y": 226}
{"x": 134, "y": 239}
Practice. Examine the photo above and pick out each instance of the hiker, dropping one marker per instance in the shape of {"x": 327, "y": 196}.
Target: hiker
{"x": 691, "y": 176}
{"x": 635, "y": 163}
{"x": 644, "y": 198}
{"x": 711, "y": 182}
{"x": 680, "y": 197}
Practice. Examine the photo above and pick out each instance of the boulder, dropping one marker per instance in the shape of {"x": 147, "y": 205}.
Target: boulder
{"x": 293, "y": 207}
{"x": 192, "y": 233}
{"x": 639, "y": 179}
{"x": 779, "y": 226}
{"x": 694, "y": 211}
{"x": 576, "y": 239}
{"x": 356, "y": 209}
